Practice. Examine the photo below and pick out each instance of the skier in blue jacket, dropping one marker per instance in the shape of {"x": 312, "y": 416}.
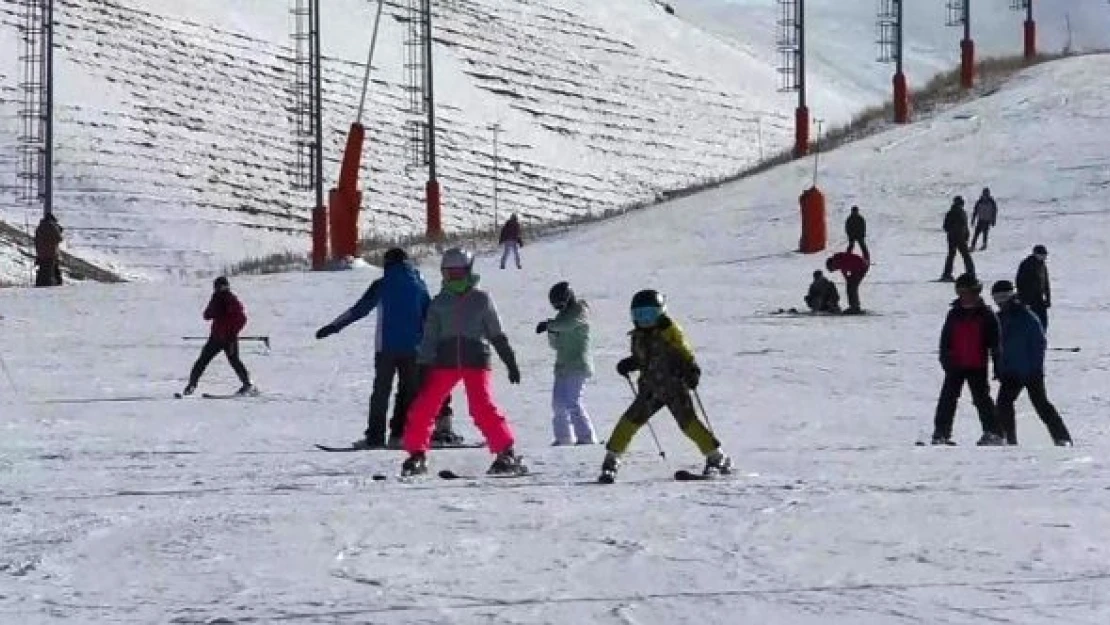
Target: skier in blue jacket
{"x": 1021, "y": 365}
{"x": 401, "y": 299}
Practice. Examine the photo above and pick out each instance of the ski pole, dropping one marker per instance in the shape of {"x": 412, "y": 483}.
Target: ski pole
{"x": 705, "y": 414}
{"x": 658, "y": 445}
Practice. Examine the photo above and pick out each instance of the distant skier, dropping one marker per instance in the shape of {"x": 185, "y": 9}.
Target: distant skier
{"x": 970, "y": 337}
{"x": 1021, "y": 365}
{"x": 461, "y": 325}
{"x": 855, "y": 226}
{"x": 854, "y": 268}
{"x": 511, "y": 241}
{"x": 822, "y": 296}
{"x": 228, "y": 318}
{"x": 402, "y": 299}
{"x": 1033, "y": 286}
{"x": 668, "y": 374}
{"x": 983, "y": 217}
{"x": 956, "y": 230}
{"x": 569, "y": 335}
{"x": 48, "y": 238}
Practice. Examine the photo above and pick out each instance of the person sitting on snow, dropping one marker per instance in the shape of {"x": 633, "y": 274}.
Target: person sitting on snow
{"x": 823, "y": 296}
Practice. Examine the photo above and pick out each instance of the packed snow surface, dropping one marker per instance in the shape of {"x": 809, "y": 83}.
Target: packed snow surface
{"x": 120, "y": 504}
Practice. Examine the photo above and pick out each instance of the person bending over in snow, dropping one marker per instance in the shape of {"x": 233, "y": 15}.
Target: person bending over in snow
{"x": 668, "y": 373}
{"x": 461, "y": 325}
{"x": 228, "y": 319}
{"x": 569, "y": 335}
{"x": 1021, "y": 365}
{"x": 822, "y": 296}
{"x": 968, "y": 340}
{"x": 854, "y": 268}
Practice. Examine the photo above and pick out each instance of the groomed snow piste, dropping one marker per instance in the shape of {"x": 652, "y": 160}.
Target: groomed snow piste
{"x": 118, "y": 504}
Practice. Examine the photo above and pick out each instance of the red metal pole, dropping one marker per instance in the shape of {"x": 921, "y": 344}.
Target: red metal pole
{"x": 801, "y": 131}
{"x": 435, "y": 225}
{"x": 901, "y": 99}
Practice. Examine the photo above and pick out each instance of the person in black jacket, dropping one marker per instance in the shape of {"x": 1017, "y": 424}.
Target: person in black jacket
{"x": 968, "y": 341}
{"x": 822, "y": 296}
{"x": 956, "y": 229}
{"x": 983, "y": 217}
{"x": 855, "y": 226}
{"x": 1033, "y": 286}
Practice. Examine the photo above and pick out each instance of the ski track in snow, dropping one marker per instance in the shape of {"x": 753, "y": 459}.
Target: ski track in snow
{"x": 173, "y": 511}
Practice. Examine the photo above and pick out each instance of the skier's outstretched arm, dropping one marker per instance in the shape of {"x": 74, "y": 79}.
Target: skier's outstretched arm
{"x": 362, "y": 307}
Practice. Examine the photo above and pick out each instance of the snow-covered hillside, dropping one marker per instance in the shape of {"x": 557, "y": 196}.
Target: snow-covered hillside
{"x": 175, "y": 131}
{"x": 117, "y": 505}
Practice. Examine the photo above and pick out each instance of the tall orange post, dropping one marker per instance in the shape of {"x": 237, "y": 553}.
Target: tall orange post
{"x": 434, "y": 228}
{"x": 814, "y": 228}
{"x": 801, "y": 131}
{"x": 345, "y": 199}
{"x": 967, "y": 63}
{"x": 901, "y": 99}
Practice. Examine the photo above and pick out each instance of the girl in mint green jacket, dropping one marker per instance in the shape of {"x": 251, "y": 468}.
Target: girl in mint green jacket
{"x": 569, "y": 335}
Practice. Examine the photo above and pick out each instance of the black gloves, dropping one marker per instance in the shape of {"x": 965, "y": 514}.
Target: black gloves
{"x": 505, "y": 352}
{"x": 693, "y": 376}
{"x": 541, "y": 327}
{"x": 627, "y": 366}
{"x": 326, "y": 331}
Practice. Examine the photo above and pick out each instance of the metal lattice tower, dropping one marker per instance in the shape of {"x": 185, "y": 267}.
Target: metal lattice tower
{"x": 790, "y": 46}
{"x": 955, "y": 12}
{"x": 36, "y": 138}
{"x": 1019, "y": 5}
{"x": 888, "y": 32}
{"x": 417, "y": 83}
{"x": 307, "y": 166}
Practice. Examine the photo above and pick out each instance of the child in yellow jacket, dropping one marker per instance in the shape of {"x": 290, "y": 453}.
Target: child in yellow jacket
{"x": 668, "y": 374}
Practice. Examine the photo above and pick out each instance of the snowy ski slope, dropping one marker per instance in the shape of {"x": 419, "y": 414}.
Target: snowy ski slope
{"x": 174, "y": 137}
{"x": 118, "y": 505}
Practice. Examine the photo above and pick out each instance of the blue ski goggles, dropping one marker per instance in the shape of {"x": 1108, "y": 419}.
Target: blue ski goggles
{"x": 646, "y": 316}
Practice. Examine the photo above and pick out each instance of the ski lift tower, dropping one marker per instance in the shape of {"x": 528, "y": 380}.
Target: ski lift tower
{"x": 959, "y": 14}
{"x": 422, "y": 125}
{"x": 891, "y": 27}
{"x": 792, "y": 67}
{"x": 1030, "y": 28}
{"x": 36, "y": 115}
{"x": 308, "y": 168}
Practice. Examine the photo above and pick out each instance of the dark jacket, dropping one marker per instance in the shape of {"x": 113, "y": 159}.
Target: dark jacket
{"x": 511, "y": 232}
{"x": 823, "y": 296}
{"x": 48, "y": 236}
{"x": 663, "y": 357}
{"x": 955, "y": 224}
{"x": 855, "y": 226}
{"x": 1023, "y": 342}
{"x": 402, "y": 300}
{"x": 970, "y": 336}
{"x": 1032, "y": 283}
{"x": 227, "y": 315}
{"x": 985, "y": 211}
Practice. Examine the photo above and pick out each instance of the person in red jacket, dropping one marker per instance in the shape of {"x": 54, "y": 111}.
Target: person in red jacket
{"x": 854, "y": 268}
{"x": 969, "y": 341}
{"x": 228, "y": 317}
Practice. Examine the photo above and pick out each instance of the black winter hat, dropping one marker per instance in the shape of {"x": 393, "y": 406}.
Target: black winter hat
{"x": 817, "y": 274}
{"x": 1040, "y": 249}
{"x": 561, "y": 295}
{"x": 1002, "y": 286}
{"x": 648, "y": 298}
{"x": 221, "y": 283}
{"x": 394, "y": 256}
{"x": 958, "y": 200}
{"x": 968, "y": 282}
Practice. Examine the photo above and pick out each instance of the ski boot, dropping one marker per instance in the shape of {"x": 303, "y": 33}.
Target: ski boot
{"x": 415, "y": 464}
{"x": 609, "y": 468}
{"x": 717, "y": 463}
{"x": 1063, "y": 442}
{"x": 247, "y": 390}
{"x": 507, "y": 463}
{"x": 990, "y": 439}
{"x": 395, "y": 442}
{"x": 446, "y": 438}
{"x": 364, "y": 443}
{"x": 188, "y": 390}
{"x": 939, "y": 439}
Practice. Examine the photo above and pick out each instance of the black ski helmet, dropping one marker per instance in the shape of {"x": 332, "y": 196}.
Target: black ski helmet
{"x": 1002, "y": 286}
{"x": 648, "y": 298}
{"x": 561, "y": 295}
{"x": 221, "y": 284}
{"x": 968, "y": 282}
{"x": 394, "y": 256}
